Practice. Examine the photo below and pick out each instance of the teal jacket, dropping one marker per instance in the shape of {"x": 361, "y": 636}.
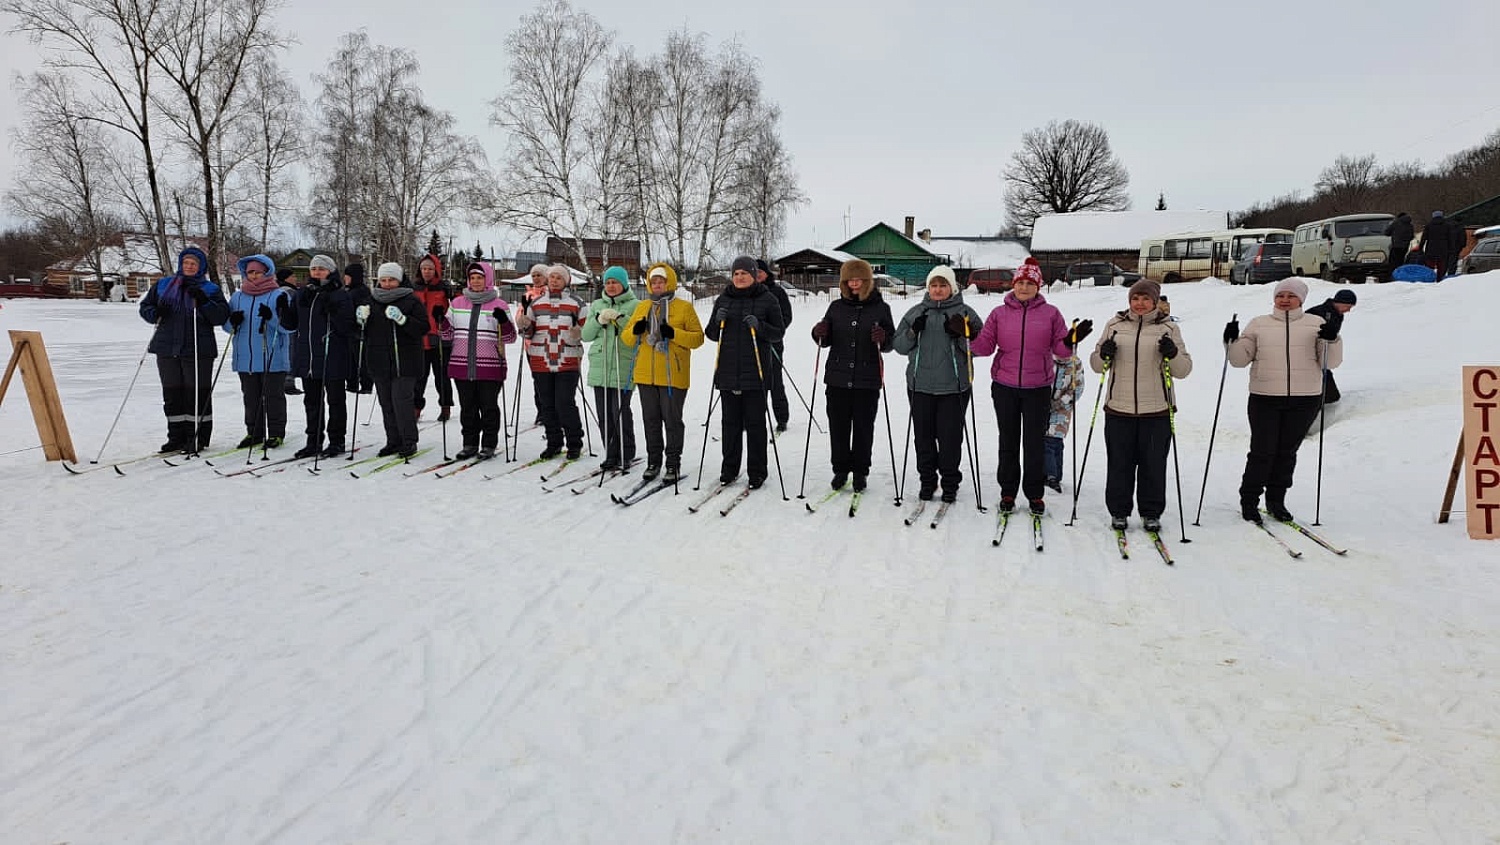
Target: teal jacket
{"x": 611, "y": 363}
{"x": 938, "y": 363}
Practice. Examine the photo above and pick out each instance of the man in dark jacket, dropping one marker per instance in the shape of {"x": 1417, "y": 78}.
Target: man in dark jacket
{"x": 779, "y": 407}
{"x": 1437, "y": 244}
{"x": 1333, "y": 311}
{"x": 746, "y": 321}
{"x": 1401, "y": 232}
{"x": 322, "y": 356}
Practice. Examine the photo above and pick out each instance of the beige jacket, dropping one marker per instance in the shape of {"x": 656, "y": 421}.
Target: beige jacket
{"x": 1284, "y": 354}
{"x": 1135, "y": 376}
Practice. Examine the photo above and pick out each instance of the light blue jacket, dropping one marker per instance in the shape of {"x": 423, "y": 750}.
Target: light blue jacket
{"x": 259, "y": 342}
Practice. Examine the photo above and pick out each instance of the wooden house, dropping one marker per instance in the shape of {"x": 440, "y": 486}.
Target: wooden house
{"x": 893, "y": 252}
{"x": 812, "y": 269}
{"x": 597, "y": 253}
{"x": 129, "y": 260}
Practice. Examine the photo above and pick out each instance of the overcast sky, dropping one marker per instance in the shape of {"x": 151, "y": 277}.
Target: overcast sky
{"x": 896, "y": 108}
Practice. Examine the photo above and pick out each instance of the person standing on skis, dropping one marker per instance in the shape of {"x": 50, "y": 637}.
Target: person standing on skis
{"x": 746, "y": 321}
{"x": 611, "y": 367}
{"x": 663, "y": 331}
{"x": 185, "y": 308}
{"x": 857, "y": 328}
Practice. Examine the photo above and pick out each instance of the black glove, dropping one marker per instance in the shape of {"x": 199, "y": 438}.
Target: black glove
{"x": 639, "y": 328}
{"x": 666, "y": 332}
{"x": 1081, "y": 330}
{"x": 820, "y": 332}
{"x": 877, "y": 334}
{"x": 286, "y": 313}
{"x": 263, "y": 312}
{"x": 437, "y": 313}
{"x": 1108, "y": 349}
{"x": 163, "y": 309}
{"x": 752, "y": 321}
{"x": 1329, "y": 330}
{"x": 198, "y": 294}
{"x": 957, "y": 325}
{"x": 501, "y": 317}
{"x": 1231, "y": 331}
{"x": 721, "y": 315}
{"x": 1166, "y": 347}
{"x": 919, "y": 324}
{"x": 236, "y": 318}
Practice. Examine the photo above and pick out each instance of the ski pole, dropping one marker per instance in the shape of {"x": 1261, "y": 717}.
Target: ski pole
{"x": 973, "y": 419}
{"x": 770, "y": 424}
{"x": 786, "y": 375}
{"x": 138, "y": 365}
{"x": 1322, "y": 426}
{"x": 359, "y": 365}
{"x": 910, "y": 415}
{"x": 703, "y": 455}
{"x": 442, "y": 386}
{"x": 807, "y": 445}
{"x": 1214, "y": 429}
{"x": 197, "y": 395}
{"x": 265, "y": 417}
{"x": 1166, "y": 384}
{"x": 1089, "y": 441}
{"x": 890, "y": 438}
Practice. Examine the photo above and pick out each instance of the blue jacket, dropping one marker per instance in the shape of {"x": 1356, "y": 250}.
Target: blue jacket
{"x": 169, "y": 306}
{"x": 261, "y": 345}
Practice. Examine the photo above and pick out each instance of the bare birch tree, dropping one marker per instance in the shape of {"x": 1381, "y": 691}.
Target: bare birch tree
{"x": 1064, "y": 166}
{"x": 428, "y": 173}
{"x": 113, "y": 44}
{"x": 272, "y": 122}
{"x": 546, "y": 177}
{"x": 766, "y": 191}
{"x": 732, "y": 104}
{"x": 63, "y": 183}
{"x": 204, "y": 48}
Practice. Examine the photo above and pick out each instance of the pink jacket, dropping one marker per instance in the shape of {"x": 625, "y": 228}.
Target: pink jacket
{"x": 1024, "y": 336}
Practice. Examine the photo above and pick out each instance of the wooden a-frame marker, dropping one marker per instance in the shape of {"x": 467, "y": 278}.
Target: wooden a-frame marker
{"x": 30, "y": 355}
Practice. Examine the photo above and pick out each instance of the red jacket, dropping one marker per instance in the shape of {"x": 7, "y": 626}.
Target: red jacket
{"x": 437, "y": 294}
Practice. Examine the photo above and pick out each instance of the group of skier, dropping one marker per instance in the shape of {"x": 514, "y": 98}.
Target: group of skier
{"x": 334, "y": 333}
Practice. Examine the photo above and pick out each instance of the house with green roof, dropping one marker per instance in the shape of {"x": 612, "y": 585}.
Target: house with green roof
{"x": 893, "y": 252}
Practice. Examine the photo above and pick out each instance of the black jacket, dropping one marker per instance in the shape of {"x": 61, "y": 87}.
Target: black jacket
{"x": 325, "y": 321}
{"x": 393, "y": 351}
{"x": 783, "y": 301}
{"x": 738, "y": 365}
{"x": 1437, "y": 239}
{"x": 1400, "y": 230}
{"x": 1328, "y": 312}
{"x": 853, "y": 358}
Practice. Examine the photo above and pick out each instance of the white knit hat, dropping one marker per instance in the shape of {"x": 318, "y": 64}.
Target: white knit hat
{"x": 942, "y": 271}
{"x": 390, "y": 270}
{"x": 1294, "y": 286}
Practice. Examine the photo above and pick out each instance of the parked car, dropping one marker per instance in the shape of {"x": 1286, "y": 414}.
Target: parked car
{"x": 1261, "y": 263}
{"x": 1102, "y": 273}
{"x": 792, "y": 290}
{"x": 991, "y": 279}
{"x": 1485, "y": 256}
{"x": 892, "y": 286}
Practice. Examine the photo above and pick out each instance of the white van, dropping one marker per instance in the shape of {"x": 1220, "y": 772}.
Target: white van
{"x": 1351, "y": 246}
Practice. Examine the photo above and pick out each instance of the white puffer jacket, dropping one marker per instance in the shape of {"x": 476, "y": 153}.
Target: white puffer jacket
{"x": 1284, "y": 354}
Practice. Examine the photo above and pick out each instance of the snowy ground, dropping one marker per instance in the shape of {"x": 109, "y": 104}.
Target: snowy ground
{"x": 298, "y": 659}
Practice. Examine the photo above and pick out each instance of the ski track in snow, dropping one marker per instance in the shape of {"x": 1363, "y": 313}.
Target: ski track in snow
{"x": 289, "y": 659}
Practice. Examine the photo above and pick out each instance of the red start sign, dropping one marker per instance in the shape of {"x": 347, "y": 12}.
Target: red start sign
{"x": 1481, "y": 456}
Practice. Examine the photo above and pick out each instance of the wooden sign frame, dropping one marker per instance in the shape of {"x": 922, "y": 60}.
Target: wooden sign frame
{"x": 29, "y": 355}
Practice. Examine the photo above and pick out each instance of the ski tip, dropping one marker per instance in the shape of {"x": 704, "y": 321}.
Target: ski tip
{"x": 994, "y": 542}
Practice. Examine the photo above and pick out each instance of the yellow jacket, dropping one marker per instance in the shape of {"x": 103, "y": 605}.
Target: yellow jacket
{"x": 674, "y": 366}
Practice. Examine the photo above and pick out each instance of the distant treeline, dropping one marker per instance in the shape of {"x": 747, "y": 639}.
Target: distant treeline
{"x": 1354, "y": 184}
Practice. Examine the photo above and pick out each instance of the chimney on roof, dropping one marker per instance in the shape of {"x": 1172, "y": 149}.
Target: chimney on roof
{"x": 925, "y": 235}
{"x": 911, "y": 225}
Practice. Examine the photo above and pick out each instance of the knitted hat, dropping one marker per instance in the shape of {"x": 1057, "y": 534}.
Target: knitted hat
{"x": 1146, "y": 287}
{"x": 944, "y": 272}
{"x": 284, "y": 273}
{"x": 660, "y": 270}
{"x": 1346, "y": 297}
{"x": 1296, "y": 287}
{"x": 390, "y": 270}
{"x": 561, "y": 270}
{"x": 1029, "y": 270}
{"x": 1436, "y": 214}
{"x": 356, "y": 271}
{"x": 764, "y": 267}
{"x": 323, "y": 261}
{"x": 744, "y": 262}
{"x": 617, "y": 273}
{"x": 856, "y": 268}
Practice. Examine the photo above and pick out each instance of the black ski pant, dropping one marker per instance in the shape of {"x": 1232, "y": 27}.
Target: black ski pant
{"x": 265, "y": 404}
{"x": 616, "y": 424}
{"x": 851, "y": 427}
{"x": 557, "y": 403}
{"x": 1136, "y": 449}
{"x": 937, "y": 424}
{"x": 397, "y": 411}
{"x": 779, "y": 407}
{"x": 743, "y": 415}
{"x": 335, "y": 421}
{"x": 1397, "y": 254}
{"x": 1022, "y": 414}
{"x": 1277, "y": 426}
{"x": 661, "y": 416}
{"x": 435, "y": 363}
{"x": 479, "y": 412}
{"x": 177, "y": 380}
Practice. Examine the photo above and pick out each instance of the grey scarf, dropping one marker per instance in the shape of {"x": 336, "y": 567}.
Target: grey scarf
{"x": 386, "y": 297}
{"x": 482, "y": 297}
{"x": 658, "y": 314}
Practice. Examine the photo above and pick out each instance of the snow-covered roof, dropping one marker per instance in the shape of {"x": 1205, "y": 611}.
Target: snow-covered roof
{"x": 1117, "y": 230}
{"x": 833, "y": 255}
{"x": 135, "y": 254}
{"x": 974, "y": 254}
